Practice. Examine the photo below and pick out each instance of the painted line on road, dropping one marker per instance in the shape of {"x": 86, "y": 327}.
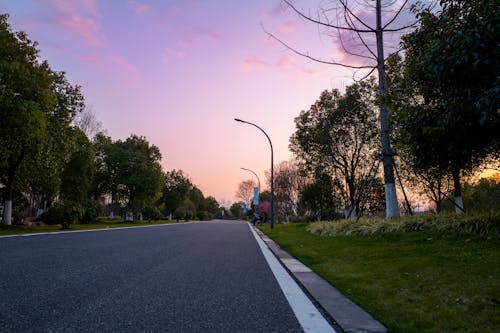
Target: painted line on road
{"x": 308, "y": 316}
{"x": 94, "y": 230}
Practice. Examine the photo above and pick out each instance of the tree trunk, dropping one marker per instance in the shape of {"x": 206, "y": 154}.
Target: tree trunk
{"x": 391, "y": 199}
{"x": 457, "y": 193}
{"x": 7, "y": 212}
{"x": 7, "y": 208}
{"x": 352, "y": 212}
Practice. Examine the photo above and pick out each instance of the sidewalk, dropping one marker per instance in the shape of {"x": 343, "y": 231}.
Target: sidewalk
{"x": 346, "y": 314}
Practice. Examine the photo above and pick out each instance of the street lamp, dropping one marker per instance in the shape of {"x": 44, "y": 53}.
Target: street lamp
{"x": 258, "y": 180}
{"x": 271, "y": 213}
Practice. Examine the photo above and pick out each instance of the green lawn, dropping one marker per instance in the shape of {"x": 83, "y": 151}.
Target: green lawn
{"x": 103, "y": 224}
{"x": 411, "y": 282}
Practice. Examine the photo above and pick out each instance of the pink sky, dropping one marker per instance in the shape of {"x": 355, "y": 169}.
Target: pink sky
{"x": 179, "y": 72}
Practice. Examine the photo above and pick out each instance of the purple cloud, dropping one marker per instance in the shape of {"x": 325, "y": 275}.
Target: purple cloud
{"x": 139, "y": 8}
{"x": 74, "y": 18}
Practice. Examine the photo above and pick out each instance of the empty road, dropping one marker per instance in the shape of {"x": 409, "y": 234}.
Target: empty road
{"x": 194, "y": 277}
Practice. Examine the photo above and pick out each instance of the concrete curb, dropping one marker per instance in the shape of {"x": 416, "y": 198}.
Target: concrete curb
{"x": 346, "y": 314}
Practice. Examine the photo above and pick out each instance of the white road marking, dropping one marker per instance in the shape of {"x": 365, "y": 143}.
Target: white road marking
{"x": 308, "y": 316}
{"x": 94, "y": 230}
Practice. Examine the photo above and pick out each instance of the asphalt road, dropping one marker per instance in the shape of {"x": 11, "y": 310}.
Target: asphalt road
{"x": 198, "y": 277}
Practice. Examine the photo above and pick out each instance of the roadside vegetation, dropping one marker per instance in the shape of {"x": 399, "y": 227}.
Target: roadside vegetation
{"x": 428, "y": 280}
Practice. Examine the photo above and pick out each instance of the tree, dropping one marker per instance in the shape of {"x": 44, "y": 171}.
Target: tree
{"x": 452, "y": 64}
{"x": 483, "y": 196}
{"x": 316, "y": 198}
{"x": 140, "y": 176}
{"x": 245, "y": 191}
{"x": 287, "y": 185}
{"x": 37, "y": 107}
{"x": 338, "y": 135}
{"x": 130, "y": 171}
{"x": 210, "y": 206}
{"x": 237, "y": 210}
{"x": 89, "y": 124}
{"x": 344, "y": 20}
{"x": 183, "y": 200}
{"x": 77, "y": 177}
{"x": 44, "y": 169}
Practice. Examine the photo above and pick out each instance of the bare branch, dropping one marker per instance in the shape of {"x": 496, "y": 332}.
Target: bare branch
{"x": 361, "y": 38}
{"x": 352, "y": 53}
{"x": 328, "y": 25}
{"x": 346, "y": 8}
{"x": 393, "y": 54}
{"x": 365, "y": 76}
{"x": 413, "y": 25}
{"x": 306, "y": 55}
{"x": 396, "y": 15}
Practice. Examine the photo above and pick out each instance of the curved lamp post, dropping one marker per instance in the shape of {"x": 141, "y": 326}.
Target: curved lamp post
{"x": 271, "y": 213}
{"x": 258, "y": 180}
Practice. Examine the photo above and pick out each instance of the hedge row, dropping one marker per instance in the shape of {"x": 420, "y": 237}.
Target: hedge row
{"x": 478, "y": 224}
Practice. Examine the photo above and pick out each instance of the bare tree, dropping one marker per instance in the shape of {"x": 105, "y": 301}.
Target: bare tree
{"x": 359, "y": 27}
{"x": 287, "y": 185}
{"x": 89, "y": 124}
{"x": 245, "y": 191}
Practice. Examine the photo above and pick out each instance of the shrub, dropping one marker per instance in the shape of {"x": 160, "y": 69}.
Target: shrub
{"x": 204, "y": 215}
{"x": 479, "y": 224}
{"x": 65, "y": 214}
{"x": 151, "y": 213}
{"x": 91, "y": 210}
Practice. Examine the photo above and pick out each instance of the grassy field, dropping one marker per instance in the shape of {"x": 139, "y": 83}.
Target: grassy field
{"x": 102, "y": 224}
{"x": 412, "y": 282}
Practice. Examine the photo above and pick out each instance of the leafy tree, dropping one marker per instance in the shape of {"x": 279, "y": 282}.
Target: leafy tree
{"x": 483, "y": 196}
{"x": 77, "y": 177}
{"x": 37, "y": 107}
{"x": 404, "y": 100}
{"x": 338, "y": 135}
{"x": 129, "y": 171}
{"x": 175, "y": 190}
{"x": 237, "y": 210}
{"x": 211, "y": 205}
{"x": 452, "y": 63}
{"x": 140, "y": 176}
{"x": 316, "y": 198}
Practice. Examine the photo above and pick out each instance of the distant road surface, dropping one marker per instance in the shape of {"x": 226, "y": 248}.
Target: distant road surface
{"x": 193, "y": 277}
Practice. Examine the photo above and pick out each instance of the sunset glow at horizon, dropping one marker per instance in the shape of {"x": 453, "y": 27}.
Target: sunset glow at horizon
{"x": 179, "y": 72}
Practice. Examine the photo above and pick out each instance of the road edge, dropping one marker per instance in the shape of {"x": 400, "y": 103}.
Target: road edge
{"x": 347, "y": 315}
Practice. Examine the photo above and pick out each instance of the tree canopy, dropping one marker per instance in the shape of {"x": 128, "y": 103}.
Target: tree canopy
{"x": 338, "y": 136}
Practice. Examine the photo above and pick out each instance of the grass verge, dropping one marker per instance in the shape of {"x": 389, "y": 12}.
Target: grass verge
{"x": 425, "y": 281}
{"x": 101, "y": 224}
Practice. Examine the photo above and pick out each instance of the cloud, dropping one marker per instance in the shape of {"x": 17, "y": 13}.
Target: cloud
{"x": 253, "y": 63}
{"x": 139, "y": 8}
{"x": 195, "y": 38}
{"x": 76, "y": 18}
{"x": 125, "y": 65}
{"x": 172, "y": 54}
{"x": 91, "y": 7}
{"x": 288, "y": 62}
{"x": 207, "y": 33}
{"x": 277, "y": 10}
{"x": 288, "y": 26}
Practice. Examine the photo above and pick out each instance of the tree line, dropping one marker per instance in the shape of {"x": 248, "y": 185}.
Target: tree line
{"x": 442, "y": 93}
{"x": 56, "y": 165}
